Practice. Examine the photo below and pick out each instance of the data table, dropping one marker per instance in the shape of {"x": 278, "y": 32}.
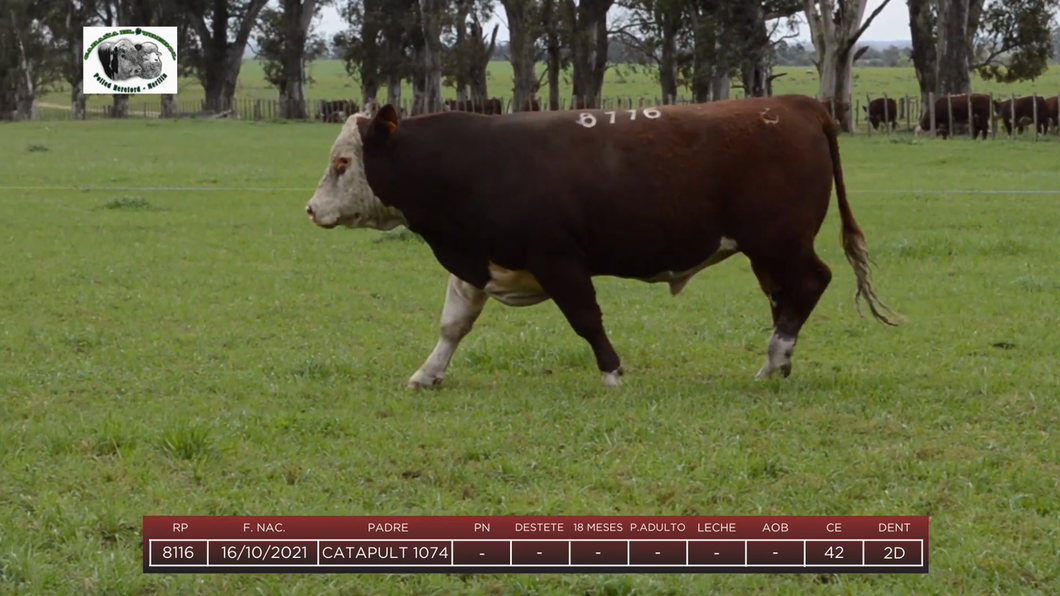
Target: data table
{"x": 513, "y": 544}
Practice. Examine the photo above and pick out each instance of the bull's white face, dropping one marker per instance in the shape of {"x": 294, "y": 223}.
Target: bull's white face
{"x": 343, "y": 196}
{"x": 150, "y": 61}
{"x": 128, "y": 59}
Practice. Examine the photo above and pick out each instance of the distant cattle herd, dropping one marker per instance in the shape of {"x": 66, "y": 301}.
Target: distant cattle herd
{"x": 951, "y": 113}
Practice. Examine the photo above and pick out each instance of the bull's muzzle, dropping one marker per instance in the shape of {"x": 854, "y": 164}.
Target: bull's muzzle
{"x": 313, "y": 218}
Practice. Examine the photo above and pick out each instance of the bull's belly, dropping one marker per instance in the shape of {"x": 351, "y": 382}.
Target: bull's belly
{"x": 521, "y": 288}
{"x": 678, "y": 279}
{"x": 514, "y": 288}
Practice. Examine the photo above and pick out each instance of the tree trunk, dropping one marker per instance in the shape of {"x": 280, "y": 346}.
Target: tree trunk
{"x": 231, "y": 78}
{"x": 952, "y": 50}
{"x": 755, "y": 68}
{"x": 169, "y": 105}
{"x": 120, "y": 107}
{"x": 479, "y": 61}
{"x": 222, "y": 59}
{"x": 294, "y": 89}
{"x": 600, "y": 59}
{"x": 461, "y": 52}
{"x": 668, "y": 65}
{"x": 78, "y": 99}
{"x": 588, "y": 25}
{"x": 720, "y": 83}
{"x": 755, "y": 75}
{"x": 76, "y": 68}
{"x": 297, "y": 16}
{"x": 25, "y": 75}
{"x": 553, "y": 49}
{"x": 427, "y": 86}
{"x": 27, "y": 104}
{"x": 394, "y": 64}
{"x": 369, "y": 68}
{"x": 523, "y": 32}
{"x": 843, "y": 83}
{"x": 7, "y": 105}
{"x": 834, "y": 36}
{"x": 393, "y": 90}
{"x": 702, "y": 52}
{"x": 922, "y": 28}
{"x": 975, "y": 11}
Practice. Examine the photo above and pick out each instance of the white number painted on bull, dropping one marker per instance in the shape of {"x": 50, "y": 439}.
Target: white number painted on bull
{"x": 588, "y": 120}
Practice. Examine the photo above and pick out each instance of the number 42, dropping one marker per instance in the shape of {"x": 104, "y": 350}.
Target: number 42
{"x": 588, "y": 120}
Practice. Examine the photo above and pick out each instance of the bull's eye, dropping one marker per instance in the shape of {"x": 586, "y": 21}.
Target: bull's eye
{"x": 341, "y": 165}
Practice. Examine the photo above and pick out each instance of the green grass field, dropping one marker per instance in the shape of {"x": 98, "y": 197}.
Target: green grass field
{"x": 213, "y": 353}
{"x": 332, "y": 82}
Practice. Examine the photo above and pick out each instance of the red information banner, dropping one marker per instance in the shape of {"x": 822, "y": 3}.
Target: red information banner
{"x": 514, "y": 544}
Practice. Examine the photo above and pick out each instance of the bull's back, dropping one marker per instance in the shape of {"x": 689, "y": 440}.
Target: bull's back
{"x": 644, "y": 188}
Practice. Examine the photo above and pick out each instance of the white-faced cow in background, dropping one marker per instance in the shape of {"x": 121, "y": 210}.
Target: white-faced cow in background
{"x": 531, "y": 206}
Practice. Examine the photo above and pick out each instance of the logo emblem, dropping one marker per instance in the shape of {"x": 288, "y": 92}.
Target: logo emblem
{"x": 130, "y": 60}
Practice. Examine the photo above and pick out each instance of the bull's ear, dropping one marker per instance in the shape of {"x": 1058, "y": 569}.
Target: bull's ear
{"x": 385, "y": 122}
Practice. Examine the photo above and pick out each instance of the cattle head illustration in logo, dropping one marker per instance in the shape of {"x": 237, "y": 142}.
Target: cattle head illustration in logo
{"x": 122, "y": 59}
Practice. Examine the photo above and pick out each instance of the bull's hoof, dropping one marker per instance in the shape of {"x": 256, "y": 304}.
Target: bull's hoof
{"x": 613, "y": 379}
{"x": 766, "y": 372}
{"x": 421, "y": 380}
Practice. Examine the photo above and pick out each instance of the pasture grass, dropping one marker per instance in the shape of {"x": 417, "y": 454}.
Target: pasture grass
{"x": 331, "y": 81}
{"x": 212, "y": 353}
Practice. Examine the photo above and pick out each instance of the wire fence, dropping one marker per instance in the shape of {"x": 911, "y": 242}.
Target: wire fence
{"x": 973, "y": 115}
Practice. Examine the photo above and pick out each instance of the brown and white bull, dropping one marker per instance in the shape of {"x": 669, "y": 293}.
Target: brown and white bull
{"x": 656, "y": 194}
{"x": 1023, "y": 111}
{"x": 884, "y": 110}
{"x": 979, "y": 104}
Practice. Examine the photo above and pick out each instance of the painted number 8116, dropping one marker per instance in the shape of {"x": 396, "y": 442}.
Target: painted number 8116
{"x": 588, "y": 120}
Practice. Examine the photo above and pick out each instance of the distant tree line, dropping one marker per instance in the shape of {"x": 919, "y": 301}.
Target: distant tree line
{"x": 705, "y": 47}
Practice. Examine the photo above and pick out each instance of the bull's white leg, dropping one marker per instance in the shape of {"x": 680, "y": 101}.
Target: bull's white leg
{"x": 778, "y": 356}
{"x": 463, "y": 305}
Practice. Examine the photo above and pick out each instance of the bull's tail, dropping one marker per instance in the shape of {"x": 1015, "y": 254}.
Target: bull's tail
{"x": 854, "y": 245}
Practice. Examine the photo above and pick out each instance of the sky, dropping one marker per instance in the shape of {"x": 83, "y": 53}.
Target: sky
{"x": 890, "y": 25}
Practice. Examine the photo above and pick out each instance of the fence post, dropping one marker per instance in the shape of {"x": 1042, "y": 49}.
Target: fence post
{"x": 949, "y": 114}
{"x": 971, "y": 120}
{"x": 887, "y": 114}
{"x": 906, "y": 108}
{"x": 993, "y": 122}
{"x": 1012, "y": 112}
{"x": 931, "y": 111}
{"x": 1035, "y": 112}
{"x": 868, "y": 113}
